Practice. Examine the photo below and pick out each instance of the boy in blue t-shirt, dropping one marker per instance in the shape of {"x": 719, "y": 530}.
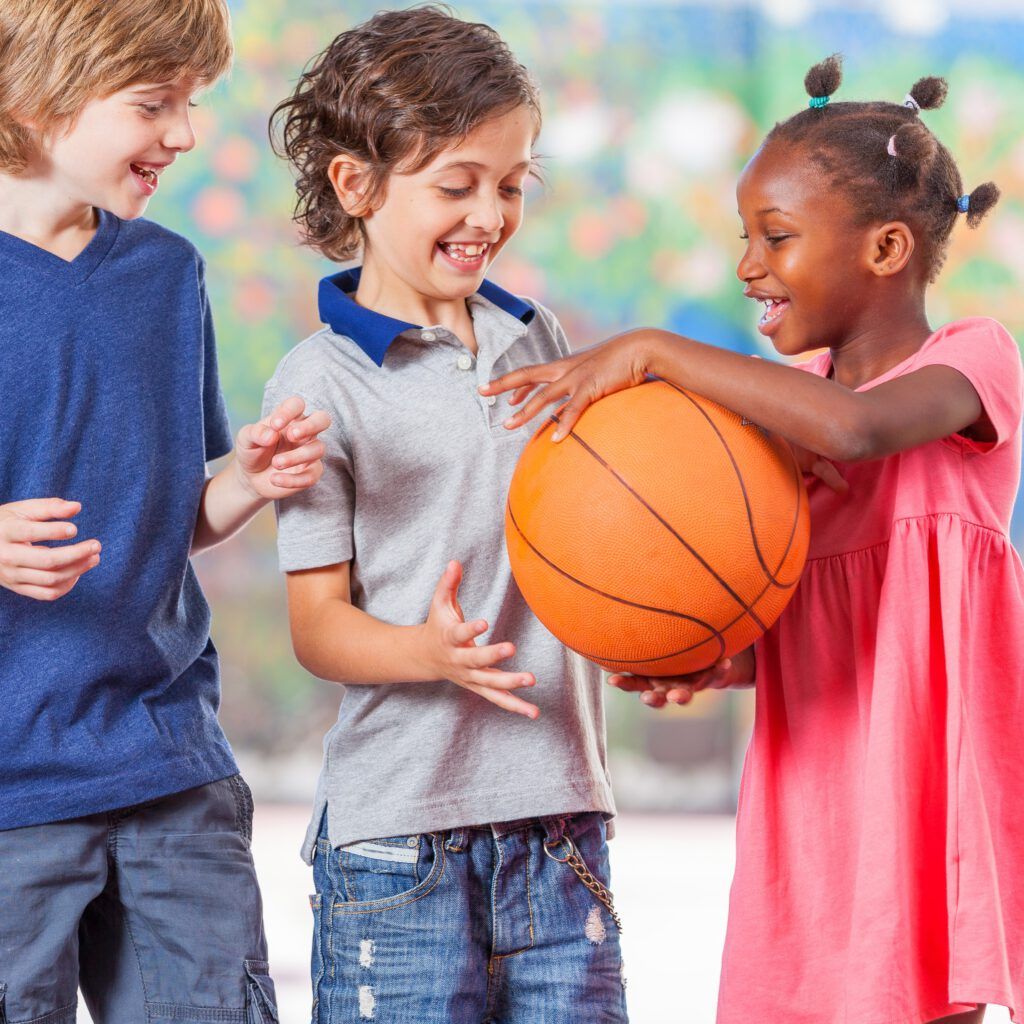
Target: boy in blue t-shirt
{"x": 124, "y": 825}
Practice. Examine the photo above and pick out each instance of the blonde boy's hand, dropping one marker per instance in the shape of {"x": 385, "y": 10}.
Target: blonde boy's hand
{"x": 657, "y": 691}
{"x": 30, "y": 568}
{"x": 282, "y": 454}
{"x": 452, "y": 651}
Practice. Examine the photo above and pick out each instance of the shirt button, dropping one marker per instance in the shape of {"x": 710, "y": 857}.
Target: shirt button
{"x": 428, "y": 336}
{"x": 464, "y": 362}
{"x": 491, "y": 399}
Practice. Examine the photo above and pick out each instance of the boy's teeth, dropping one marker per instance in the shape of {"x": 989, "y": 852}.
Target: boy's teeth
{"x": 462, "y": 251}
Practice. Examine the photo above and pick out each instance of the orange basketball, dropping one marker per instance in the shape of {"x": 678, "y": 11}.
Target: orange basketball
{"x": 663, "y": 534}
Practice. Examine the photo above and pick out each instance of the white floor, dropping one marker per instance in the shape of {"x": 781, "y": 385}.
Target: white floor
{"x": 671, "y": 881}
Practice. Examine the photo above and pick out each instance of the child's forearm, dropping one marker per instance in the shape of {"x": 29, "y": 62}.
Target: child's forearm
{"x": 341, "y": 643}
{"x": 226, "y": 506}
{"x": 817, "y": 414}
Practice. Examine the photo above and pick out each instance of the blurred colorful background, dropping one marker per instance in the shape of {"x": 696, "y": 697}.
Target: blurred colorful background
{"x": 651, "y": 109}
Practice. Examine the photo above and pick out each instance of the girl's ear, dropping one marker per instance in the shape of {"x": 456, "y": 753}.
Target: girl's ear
{"x": 890, "y": 247}
{"x": 347, "y": 175}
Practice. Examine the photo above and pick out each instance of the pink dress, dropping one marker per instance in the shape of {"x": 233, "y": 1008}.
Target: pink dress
{"x": 880, "y": 837}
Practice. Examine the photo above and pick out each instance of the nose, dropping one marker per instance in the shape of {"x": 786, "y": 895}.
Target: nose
{"x": 749, "y": 267}
{"x": 486, "y": 213}
{"x": 180, "y": 135}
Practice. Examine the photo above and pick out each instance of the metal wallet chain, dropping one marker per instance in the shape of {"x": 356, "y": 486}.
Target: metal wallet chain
{"x": 575, "y": 861}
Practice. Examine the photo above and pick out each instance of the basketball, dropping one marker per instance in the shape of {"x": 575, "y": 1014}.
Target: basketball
{"x": 662, "y": 534}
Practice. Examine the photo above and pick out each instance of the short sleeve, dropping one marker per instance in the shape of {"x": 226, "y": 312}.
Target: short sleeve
{"x": 985, "y": 353}
{"x": 216, "y": 426}
{"x": 314, "y": 527}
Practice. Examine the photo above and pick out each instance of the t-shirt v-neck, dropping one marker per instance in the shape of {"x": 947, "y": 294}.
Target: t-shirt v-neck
{"x": 74, "y": 271}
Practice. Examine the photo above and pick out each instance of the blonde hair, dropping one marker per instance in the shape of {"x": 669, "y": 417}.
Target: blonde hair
{"x": 57, "y": 55}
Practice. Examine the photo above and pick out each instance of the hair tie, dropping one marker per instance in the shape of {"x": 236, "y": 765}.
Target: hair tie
{"x": 963, "y": 204}
{"x": 891, "y": 148}
{"x": 909, "y": 101}
{"x": 818, "y": 102}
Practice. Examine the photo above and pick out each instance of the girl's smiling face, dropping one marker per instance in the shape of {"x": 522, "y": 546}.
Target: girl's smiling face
{"x": 805, "y": 255}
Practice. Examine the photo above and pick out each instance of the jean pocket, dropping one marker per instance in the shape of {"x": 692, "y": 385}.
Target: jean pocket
{"x": 261, "y": 1000}
{"x": 380, "y": 874}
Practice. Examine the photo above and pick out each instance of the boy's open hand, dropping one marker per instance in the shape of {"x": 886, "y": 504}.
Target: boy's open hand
{"x": 453, "y": 653}
{"x": 30, "y": 568}
{"x": 657, "y": 691}
{"x": 282, "y": 454}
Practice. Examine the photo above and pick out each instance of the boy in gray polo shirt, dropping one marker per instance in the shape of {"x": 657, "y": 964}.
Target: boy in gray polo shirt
{"x": 455, "y": 821}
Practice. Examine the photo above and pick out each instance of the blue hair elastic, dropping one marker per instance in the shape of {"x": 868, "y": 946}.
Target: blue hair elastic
{"x": 963, "y": 204}
{"x": 818, "y": 102}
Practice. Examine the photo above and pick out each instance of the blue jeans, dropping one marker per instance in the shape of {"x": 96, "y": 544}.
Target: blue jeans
{"x": 487, "y": 924}
{"x": 153, "y": 910}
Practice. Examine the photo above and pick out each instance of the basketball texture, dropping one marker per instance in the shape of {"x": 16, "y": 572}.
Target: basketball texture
{"x": 663, "y": 534}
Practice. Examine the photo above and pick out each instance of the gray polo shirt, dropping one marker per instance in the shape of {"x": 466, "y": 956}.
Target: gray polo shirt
{"x": 416, "y": 473}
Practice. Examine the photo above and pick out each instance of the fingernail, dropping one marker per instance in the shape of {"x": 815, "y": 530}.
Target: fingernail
{"x": 557, "y": 435}
{"x": 266, "y": 436}
{"x": 277, "y": 423}
{"x": 510, "y": 422}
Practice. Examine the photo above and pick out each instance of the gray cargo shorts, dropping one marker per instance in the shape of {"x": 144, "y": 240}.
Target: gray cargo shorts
{"x": 153, "y": 910}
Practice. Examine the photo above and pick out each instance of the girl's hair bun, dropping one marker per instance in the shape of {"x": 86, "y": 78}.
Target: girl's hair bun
{"x": 983, "y": 198}
{"x": 824, "y": 78}
{"x": 914, "y": 144}
{"x": 929, "y": 93}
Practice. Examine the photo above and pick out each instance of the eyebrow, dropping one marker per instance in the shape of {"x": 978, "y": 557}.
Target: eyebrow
{"x": 472, "y": 165}
{"x": 772, "y": 209}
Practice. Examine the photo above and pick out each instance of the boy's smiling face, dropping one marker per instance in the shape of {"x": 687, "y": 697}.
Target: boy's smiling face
{"x": 438, "y": 229}
{"x": 113, "y": 153}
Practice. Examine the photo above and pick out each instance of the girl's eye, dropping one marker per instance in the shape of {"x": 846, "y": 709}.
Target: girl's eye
{"x": 193, "y": 104}
{"x": 455, "y": 193}
{"x": 775, "y": 239}
{"x": 745, "y": 237}
{"x": 512, "y": 190}
{"x": 151, "y": 109}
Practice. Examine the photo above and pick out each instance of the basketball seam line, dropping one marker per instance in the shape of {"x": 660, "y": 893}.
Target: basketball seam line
{"x": 625, "y": 483}
{"x": 772, "y": 576}
{"x": 716, "y": 635}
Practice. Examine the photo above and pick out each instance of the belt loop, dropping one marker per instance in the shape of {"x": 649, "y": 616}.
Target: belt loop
{"x": 554, "y": 830}
{"x": 456, "y": 840}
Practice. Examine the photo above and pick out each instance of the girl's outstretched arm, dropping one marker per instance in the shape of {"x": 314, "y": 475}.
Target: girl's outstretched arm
{"x": 812, "y": 412}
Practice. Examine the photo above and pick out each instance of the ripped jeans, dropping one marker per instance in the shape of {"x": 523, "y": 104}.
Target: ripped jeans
{"x": 153, "y": 910}
{"x": 480, "y": 925}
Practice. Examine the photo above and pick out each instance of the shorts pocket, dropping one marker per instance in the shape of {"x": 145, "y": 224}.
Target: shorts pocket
{"x": 383, "y": 874}
{"x": 261, "y": 1000}
{"x": 378, "y": 869}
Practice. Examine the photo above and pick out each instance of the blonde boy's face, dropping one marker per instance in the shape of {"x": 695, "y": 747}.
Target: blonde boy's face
{"x": 113, "y": 154}
{"x": 440, "y": 228}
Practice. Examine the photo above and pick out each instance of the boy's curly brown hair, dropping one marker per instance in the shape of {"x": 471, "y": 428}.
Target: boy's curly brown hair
{"x": 393, "y": 93}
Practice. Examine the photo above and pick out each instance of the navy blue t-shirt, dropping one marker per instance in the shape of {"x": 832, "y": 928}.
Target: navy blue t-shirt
{"x": 110, "y": 397}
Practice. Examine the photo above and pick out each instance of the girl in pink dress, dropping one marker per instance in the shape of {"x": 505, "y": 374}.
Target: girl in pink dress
{"x": 880, "y": 837}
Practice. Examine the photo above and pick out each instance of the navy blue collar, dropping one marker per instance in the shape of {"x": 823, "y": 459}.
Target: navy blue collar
{"x": 374, "y": 332}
